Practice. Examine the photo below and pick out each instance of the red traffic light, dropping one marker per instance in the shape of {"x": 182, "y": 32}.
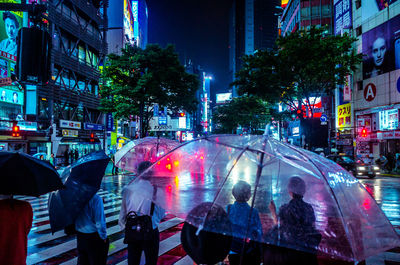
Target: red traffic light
{"x": 15, "y": 131}
{"x": 364, "y": 132}
{"x": 181, "y": 114}
{"x": 92, "y": 137}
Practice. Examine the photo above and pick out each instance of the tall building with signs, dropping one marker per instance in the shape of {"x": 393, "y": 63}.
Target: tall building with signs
{"x": 127, "y": 25}
{"x": 12, "y": 94}
{"x": 60, "y": 116}
{"x": 376, "y": 85}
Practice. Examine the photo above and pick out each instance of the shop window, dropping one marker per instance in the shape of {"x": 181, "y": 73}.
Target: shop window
{"x": 44, "y": 109}
{"x": 81, "y": 53}
{"x": 359, "y": 85}
{"x": 358, "y": 31}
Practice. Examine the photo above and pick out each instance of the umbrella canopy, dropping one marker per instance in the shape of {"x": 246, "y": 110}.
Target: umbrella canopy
{"x": 23, "y": 174}
{"x": 82, "y": 180}
{"x": 144, "y": 149}
{"x": 338, "y": 217}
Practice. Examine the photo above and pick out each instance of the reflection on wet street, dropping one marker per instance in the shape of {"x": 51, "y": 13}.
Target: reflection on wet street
{"x": 386, "y": 192}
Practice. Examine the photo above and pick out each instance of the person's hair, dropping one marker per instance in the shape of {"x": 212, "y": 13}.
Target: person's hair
{"x": 143, "y": 166}
{"x": 241, "y": 191}
{"x": 11, "y": 16}
{"x": 297, "y": 186}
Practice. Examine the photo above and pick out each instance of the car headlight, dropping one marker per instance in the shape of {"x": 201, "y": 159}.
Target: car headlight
{"x": 376, "y": 168}
{"x": 361, "y": 168}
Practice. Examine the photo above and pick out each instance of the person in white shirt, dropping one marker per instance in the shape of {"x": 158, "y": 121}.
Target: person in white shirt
{"x": 138, "y": 197}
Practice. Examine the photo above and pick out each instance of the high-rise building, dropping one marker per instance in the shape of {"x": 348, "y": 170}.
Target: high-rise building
{"x": 127, "y": 24}
{"x": 305, "y": 13}
{"x": 58, "y": 116}
{"x": 252, "y": 26}
{"x": 375, "y": 98}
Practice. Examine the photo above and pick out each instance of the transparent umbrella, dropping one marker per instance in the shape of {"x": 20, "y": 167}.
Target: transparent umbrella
{"x": 349, "y": 223}
{"x": 144, "y": 149}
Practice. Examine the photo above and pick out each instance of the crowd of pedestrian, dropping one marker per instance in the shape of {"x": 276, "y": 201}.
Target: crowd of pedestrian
{"x": 140, "y": 217}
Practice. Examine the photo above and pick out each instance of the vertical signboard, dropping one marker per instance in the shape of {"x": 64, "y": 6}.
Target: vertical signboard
{"x": 342, "y": 15}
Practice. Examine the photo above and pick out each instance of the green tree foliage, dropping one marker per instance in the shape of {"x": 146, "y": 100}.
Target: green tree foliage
{"x": 138, "y": 78}
{"x": 247, "y": 111}
{"x": 304, "y": 65}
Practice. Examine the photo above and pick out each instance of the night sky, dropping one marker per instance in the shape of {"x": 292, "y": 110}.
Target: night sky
{"x": 199, "y": 31}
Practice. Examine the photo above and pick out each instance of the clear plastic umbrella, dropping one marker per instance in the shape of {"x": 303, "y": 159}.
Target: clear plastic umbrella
{"x": 144, "y": 149}
{"x": 349, "y": 223}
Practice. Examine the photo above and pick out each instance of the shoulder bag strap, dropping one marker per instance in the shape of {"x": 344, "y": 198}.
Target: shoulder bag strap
{"x": 152, "y": 202}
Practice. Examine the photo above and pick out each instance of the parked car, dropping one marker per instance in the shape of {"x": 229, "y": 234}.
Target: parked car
{"x": 358, "y": 167}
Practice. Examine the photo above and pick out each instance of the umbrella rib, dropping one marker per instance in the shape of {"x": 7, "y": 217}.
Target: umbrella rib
{"x": 333, "y": 195}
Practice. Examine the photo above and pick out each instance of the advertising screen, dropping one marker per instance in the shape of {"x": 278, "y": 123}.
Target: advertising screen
{"x": 224, "y": 97}
{"x": 128, "y": 21}
{"x": 342, "y": 15}
{"x": 10, "y": 23}
{"x": 371, "y": 7}
{"x": 381, "y": 45}
{"x": 10, "y": 95}
{"x": 135, "y": 13}
{"x": 389, "y": 119}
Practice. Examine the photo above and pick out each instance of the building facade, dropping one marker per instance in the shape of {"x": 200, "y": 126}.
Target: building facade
{"x": 376, "y": 84}
{"x": 252, "y": 26}
{"x": 62, "y": 115}
{"x": 303, "y": 14}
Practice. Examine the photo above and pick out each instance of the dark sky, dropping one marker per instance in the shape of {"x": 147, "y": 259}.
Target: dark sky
{"x": 199, "y": 31}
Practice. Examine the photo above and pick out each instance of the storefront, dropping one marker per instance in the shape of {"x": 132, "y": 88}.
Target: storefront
{"x": 382, "y": 132}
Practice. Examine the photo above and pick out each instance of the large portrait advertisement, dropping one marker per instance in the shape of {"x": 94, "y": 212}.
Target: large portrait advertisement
{"x": 381, "y": 48}
{"x": 10, "y": 23}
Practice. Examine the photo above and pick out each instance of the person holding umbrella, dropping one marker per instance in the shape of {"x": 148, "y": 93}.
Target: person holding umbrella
{"x": 21, "y": 174}
{"x": 15, "y": 224}
{"x": 139, "y": 198}
{"x": 92, "y": 233}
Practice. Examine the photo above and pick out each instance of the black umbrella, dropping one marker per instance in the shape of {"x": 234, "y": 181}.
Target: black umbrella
{"x": 22, "y": 174}
{"x": 82, "y": 180}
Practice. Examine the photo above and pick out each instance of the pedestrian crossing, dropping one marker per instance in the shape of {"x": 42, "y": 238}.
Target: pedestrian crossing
{"x": 59, "y": 248}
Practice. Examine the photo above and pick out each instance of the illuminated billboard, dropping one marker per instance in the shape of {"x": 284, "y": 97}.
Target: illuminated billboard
{"x": 135, "y": 13}
{"x": 128, "y": 21}
{"x": 223, "y": 97}
{"x": 10, "y": 23}
{"x": 381, "y": 45}
{"x": 342, "y": 15}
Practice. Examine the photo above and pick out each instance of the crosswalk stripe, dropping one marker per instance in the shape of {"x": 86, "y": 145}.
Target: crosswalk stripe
{"x": 47, "y": 226}
{"x": 119, "y": 244}
{"x": 53, "y": 246}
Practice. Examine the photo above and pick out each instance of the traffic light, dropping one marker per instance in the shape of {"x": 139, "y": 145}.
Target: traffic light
{"x": 92, "y": 137}
{"x": 364, "y": 132}
{"x": 299, "y": 114}
{"x": 15, "y": 130}
{"x": 182, "y": 114}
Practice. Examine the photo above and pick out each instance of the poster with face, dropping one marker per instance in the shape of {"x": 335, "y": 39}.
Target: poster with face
{"x": 381, "y": 47}
{"x": 10, "y": 23}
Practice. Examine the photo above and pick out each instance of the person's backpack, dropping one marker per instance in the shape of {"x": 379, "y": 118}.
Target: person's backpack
{"x": 137, "y": 227}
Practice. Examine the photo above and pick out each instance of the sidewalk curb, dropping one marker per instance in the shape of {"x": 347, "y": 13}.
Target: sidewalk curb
{"x": 391, "y": 175}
